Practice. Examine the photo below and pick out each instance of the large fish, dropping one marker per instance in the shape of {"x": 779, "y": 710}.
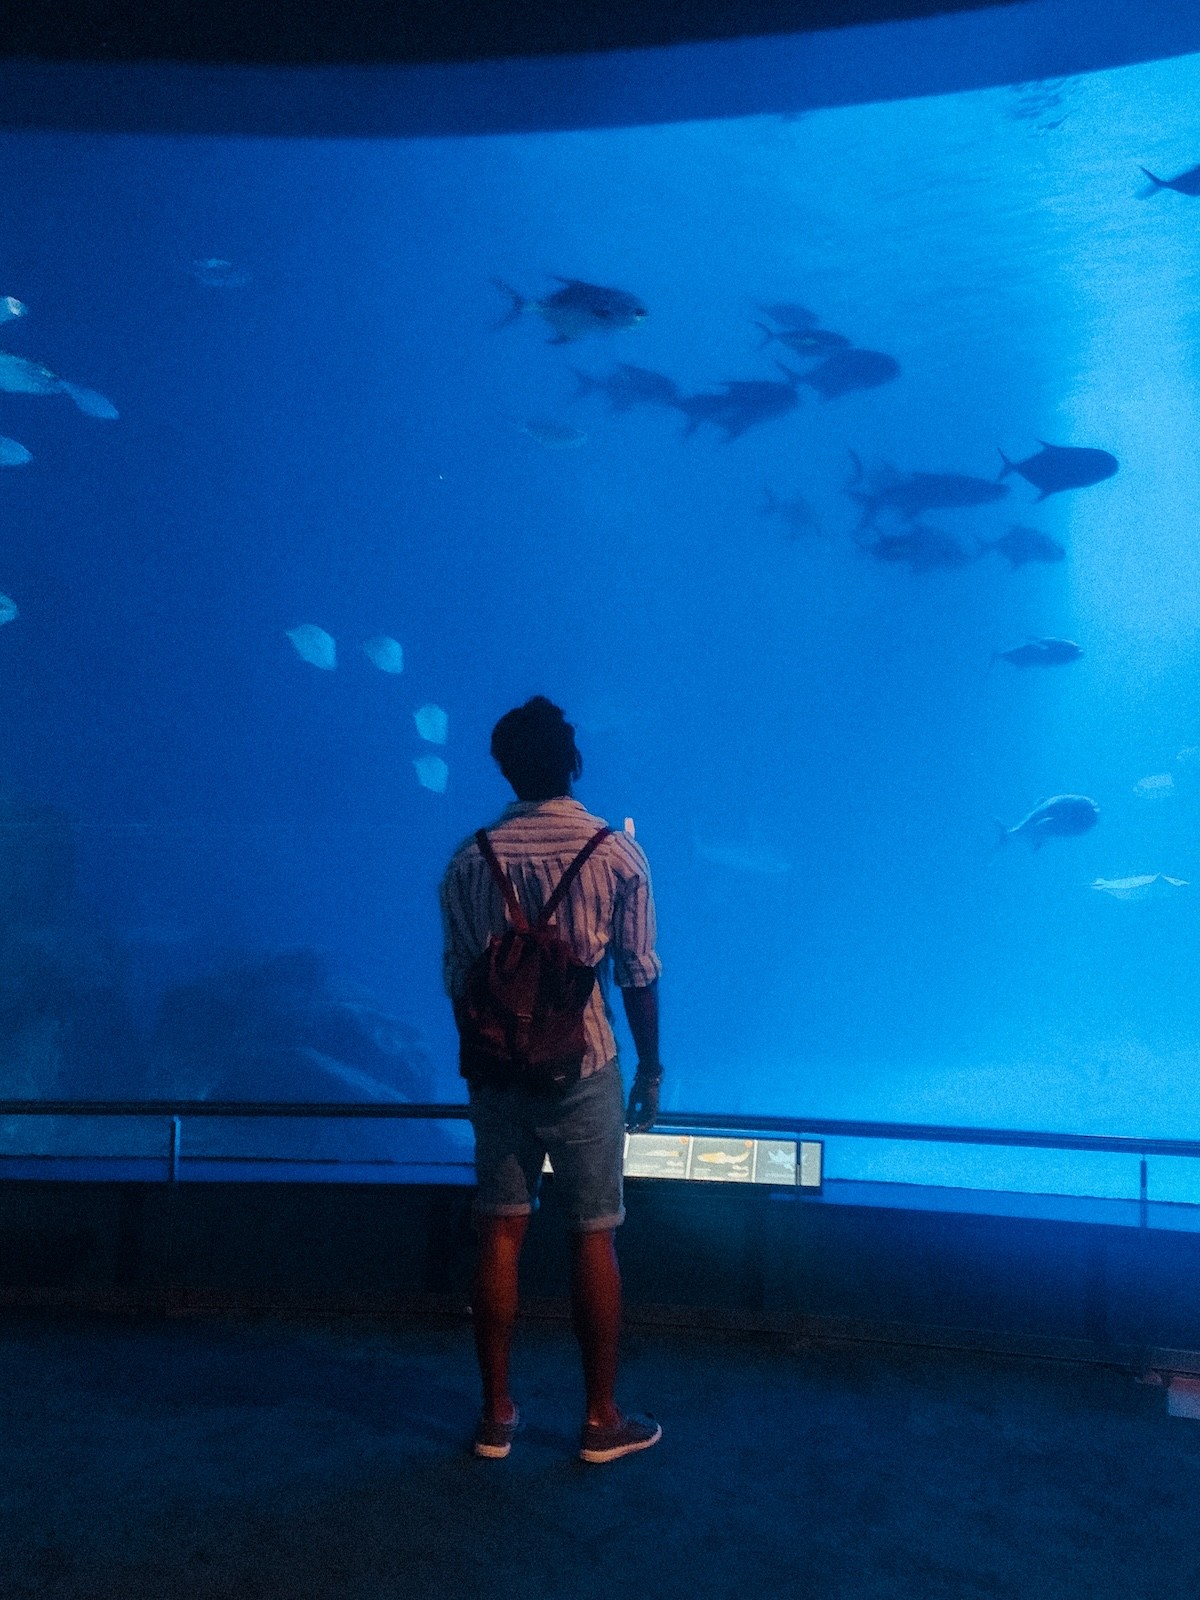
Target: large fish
{"x": 804, "y": 341}
{"x": 1041, "y": 653}
{"x": 1183, "y": 182}
{"x": 908, "y": 494}
{"x": 920, "y": 549}
{"x": 738, "y": 406}
{"x": 848, "y": 370}
{"x": 577, "y": 309}
{"x": 1062, "y": 466}
{"x": 21, "y": 376}
{"x": 1064, "y": 816}
{"x": 628, "y": 386}
{"x": 1022, "y": 545}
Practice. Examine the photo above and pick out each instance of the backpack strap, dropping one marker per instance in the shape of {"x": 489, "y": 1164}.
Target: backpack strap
{"x": 519, "y": 920}
{"x": 569, "y": 876}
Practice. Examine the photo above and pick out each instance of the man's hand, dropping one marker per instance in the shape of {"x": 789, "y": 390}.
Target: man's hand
{"x": 642, "y": 1111}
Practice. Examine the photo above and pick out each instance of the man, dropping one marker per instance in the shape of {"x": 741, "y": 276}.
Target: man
{"x": 607, "y": 919}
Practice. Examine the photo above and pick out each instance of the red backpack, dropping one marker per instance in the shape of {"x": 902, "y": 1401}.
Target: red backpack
{"x": 520, "y": 1018}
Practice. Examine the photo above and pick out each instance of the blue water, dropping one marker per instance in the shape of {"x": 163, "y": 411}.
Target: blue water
{"x": 812, "y": 743}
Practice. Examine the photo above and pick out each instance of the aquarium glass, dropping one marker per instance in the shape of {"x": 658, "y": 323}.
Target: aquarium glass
{"x": 371, "y": 484}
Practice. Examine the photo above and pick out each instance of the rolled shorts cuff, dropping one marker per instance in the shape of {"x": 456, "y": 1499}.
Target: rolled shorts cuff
{"x": 599, "y": 1224}
{"x": 520, "y": 1210}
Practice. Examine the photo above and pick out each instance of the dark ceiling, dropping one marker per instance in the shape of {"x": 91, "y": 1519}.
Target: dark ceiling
{"x": 341, "y": 32}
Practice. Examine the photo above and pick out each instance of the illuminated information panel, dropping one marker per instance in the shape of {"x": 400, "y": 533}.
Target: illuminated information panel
{"x": 704, "y": 1158}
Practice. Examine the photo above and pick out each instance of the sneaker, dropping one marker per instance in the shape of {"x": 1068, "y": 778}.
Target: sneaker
{"x": 493, "y": 1440}
{"x": 606, "y": 1444}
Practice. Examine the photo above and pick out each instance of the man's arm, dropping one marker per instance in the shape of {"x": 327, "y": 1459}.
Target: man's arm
{"x": 641, "y": 1010}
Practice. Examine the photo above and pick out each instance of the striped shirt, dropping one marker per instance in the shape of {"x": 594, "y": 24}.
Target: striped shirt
{"x": 607, "y": 917}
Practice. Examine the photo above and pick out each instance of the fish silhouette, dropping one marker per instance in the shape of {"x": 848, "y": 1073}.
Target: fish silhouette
{"x": 921, "y": 549}
{"x": 1020, "y": 545}
{"x": 1056, "y": 467}
{"x": 848, "y": 370}
{"x": 432, "y": 724}
{"x": 432, "y": 773}
{"x": 908, "y": 494}
{"x": 628, "y": 386}
{"x": 577, "y": 309}
{"x": 387, "y": 654}
{"x": 1041, "y": 653}
{"x": 1146, "y": 886}
{"x": 1183, "y": 182}
{"x": 553, "y": 435}
{"x": 1062, "y": 817}
{"x": 740, "y": 405}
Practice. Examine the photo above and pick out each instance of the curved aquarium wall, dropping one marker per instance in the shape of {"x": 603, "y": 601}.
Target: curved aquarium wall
{"x": 865, "y": 562}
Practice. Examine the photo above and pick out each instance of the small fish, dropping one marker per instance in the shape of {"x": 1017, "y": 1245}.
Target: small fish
{"x": 13, "y": 454}
{"x": 577, "y": 309}
{"x": 1041, "y": 653}
{"x": 8, "y": 610}
{"x": 848, "y": 370}
{"x": 216, "y": 273}
{"x": 1148, "y": 885}
{"x": 921, "y": 549}
{"x": 552, "y": 435}
{"x": 314, "y": 645}
{"x": 908, "y": 494}
{"x": 1062, "y": 817}
{"x": 11, "y": 307}
{"x": 432, "y": 724}
{"x": 1062, "y": 466}
{"x": 21, "y": 376}
{"x": 1183, "y": 183}
{"x": 797, "y": 516}
{"x": 739, "y": 406}
{"x": 628, "y": 386}
{"x": 803, "y": 341}
{"x": 387, "y": 654}
{"x": 432, "y": 773}
{"x": 1022, "y": 545}
{"x": 1158, "y": 786}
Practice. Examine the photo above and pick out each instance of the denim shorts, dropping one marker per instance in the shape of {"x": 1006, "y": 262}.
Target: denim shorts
{"x": 583, "y": 1133}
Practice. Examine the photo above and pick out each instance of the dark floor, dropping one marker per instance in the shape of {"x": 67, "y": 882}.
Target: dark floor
{"x": 243, "y": 1459}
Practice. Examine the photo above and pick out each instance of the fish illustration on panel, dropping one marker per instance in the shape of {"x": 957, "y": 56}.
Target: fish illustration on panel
{"x": 314, "y": 645}
{"x": 1057, "y": 467}
{"x": 1064, "y": 816}
{"x": 387, "y": 654}
{"x": 577, "y": 310}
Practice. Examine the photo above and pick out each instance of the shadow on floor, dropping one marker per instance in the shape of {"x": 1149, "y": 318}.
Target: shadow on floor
{"x": 239, "y": 1459}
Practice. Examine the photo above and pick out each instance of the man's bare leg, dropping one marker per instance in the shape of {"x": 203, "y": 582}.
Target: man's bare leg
{"x": 596, "y": 1308}
{"x": 494, "y": 1309}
